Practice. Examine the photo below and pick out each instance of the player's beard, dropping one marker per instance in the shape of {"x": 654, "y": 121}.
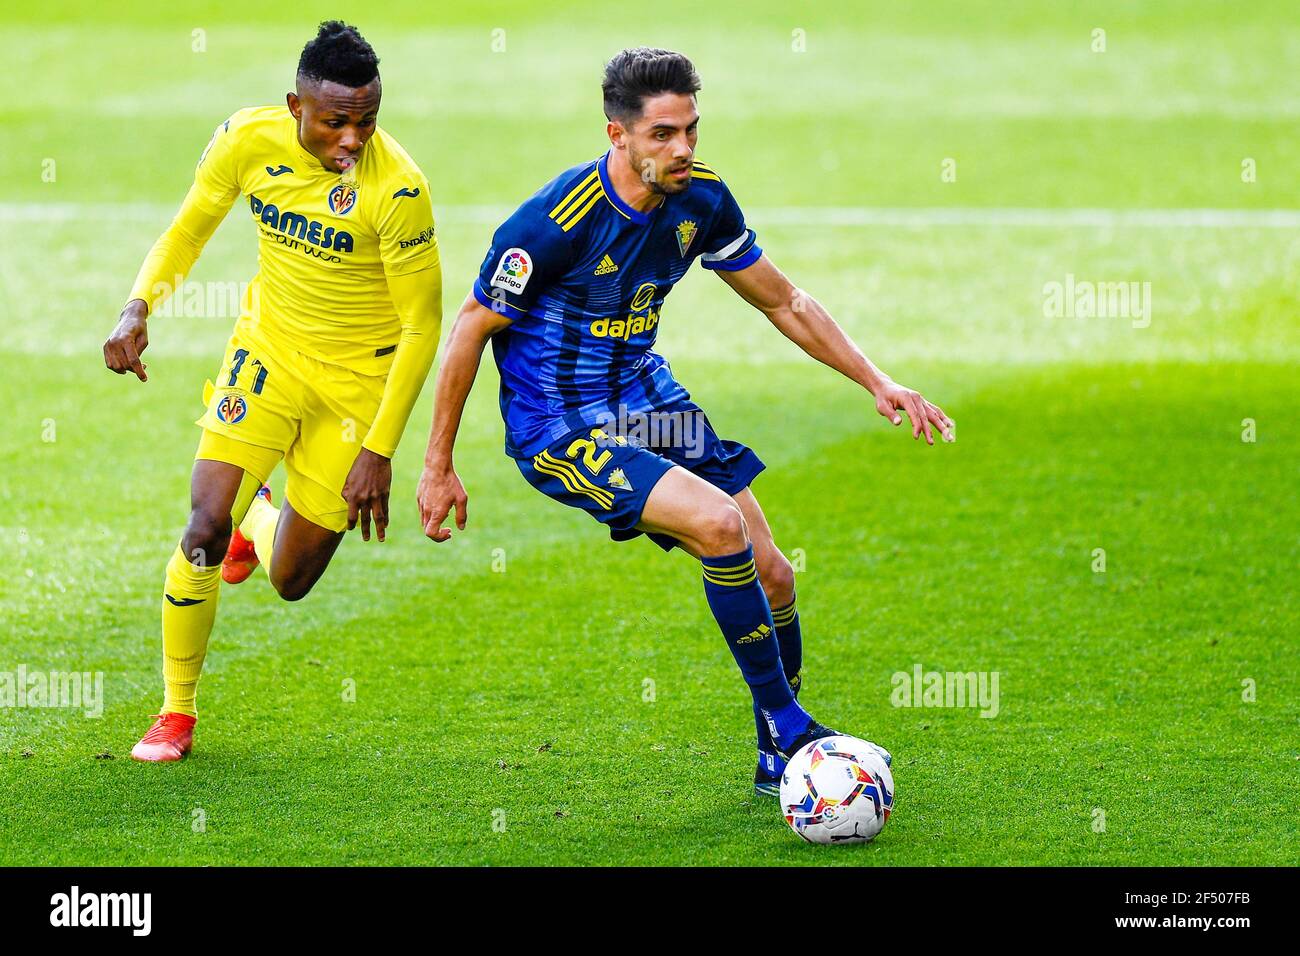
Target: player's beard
{"x": 669, "y": 188}
{"x": 659, "y": 188}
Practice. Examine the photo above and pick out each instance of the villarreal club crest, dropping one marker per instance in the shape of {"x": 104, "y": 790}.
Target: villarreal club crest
{"x": 231, "y": 409}
{"x": 342, "y": 198}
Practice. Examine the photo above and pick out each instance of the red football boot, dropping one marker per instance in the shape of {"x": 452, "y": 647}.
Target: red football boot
{"x": 170, "y": 738}
{"x": 241, "y": 560}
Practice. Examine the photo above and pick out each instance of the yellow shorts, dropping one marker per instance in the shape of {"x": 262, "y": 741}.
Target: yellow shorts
{"x": 271, "y": 402}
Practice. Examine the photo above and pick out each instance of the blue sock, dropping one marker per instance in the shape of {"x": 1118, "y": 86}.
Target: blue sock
{"x": 789, "y": 640}
{"x": 741, "y": 610}
{"x": 786, "y": 723}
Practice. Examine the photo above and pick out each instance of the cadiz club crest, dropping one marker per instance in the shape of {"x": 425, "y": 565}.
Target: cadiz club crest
{"x": 342, "y": 198}
{"x": 685, "y": 233}
{"x": 231, "y": 409}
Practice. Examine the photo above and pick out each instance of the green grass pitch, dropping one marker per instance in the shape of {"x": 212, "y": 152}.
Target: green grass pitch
{"x": 1148, "y": 712}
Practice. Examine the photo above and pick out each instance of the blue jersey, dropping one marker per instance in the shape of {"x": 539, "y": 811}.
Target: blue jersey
{"x": 583, "y": 277}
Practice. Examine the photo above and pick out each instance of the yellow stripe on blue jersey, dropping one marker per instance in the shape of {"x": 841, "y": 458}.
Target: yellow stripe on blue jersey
{"x": 582, "y": 187}
{"x": 701, "y": 171}
{"x": 571, "y": 220}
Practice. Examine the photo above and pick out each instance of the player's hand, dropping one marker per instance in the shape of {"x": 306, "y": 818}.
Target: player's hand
{"x": 366, "y": 492}
{"x": 130, "y": 338}
{"x": 440, "y": 491}
{"x": 891, "y": 398}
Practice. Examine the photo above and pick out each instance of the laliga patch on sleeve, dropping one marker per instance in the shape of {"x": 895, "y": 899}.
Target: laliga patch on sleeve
{"x": 513, "y": 271}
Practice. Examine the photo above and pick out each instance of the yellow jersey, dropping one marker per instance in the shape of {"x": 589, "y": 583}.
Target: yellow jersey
{"x": 328, "y": 245}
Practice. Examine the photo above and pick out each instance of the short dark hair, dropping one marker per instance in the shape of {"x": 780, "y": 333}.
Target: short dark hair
{"x": 634, "y": 74}
{"x": 339, "y": 54}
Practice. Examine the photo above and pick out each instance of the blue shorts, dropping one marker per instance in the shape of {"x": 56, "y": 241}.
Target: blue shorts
{"x": 609, "y": 471}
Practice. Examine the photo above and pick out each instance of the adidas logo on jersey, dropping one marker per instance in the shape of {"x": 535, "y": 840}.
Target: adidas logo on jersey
{"x": 606, "y": 266}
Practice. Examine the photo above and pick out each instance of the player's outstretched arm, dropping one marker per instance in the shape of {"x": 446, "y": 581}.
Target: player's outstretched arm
{"x": 417, "y": 297}
{"x": 804, "y": 321}
{"x": 168, "y": 262}
{"x": 440, "y": 489}
{"x": 215, "y": 189}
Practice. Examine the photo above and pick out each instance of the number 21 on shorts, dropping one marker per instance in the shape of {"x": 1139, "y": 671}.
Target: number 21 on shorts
{"x": 237, "y": 364}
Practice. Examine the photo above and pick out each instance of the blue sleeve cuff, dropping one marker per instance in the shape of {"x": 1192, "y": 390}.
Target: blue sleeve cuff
{"x": 744, "y": 261}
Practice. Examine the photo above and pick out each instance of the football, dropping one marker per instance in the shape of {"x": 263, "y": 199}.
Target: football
{"x": 837, "y": 790}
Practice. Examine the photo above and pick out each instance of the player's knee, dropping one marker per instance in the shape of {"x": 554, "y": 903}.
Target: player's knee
{"x": 777, "y": 574}
{"x": 292, "y": 588}
{"x": 207, "y": 535}
{"x": 722, "y": 530}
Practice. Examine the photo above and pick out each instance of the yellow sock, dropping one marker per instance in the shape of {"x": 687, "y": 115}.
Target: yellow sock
{"x": 188, "y": 609}
{"x": 259, "y": 526}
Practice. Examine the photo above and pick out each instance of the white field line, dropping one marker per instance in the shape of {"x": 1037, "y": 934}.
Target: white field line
{"x": 823, "y": 216}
